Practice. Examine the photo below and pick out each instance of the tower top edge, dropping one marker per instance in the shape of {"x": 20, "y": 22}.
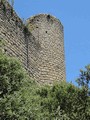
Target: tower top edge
{"x": 44, "y": 15}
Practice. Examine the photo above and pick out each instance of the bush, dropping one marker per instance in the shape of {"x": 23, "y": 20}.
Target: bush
{"x": 22, "y": 99}
{"x": 15, "y": 90}
{"x": 64, "y": 101}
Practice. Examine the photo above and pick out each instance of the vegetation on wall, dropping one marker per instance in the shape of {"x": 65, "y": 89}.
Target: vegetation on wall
{"x": 3, "y": 3}
{"x": 31, "y": 26}
{"x": 15, "y": 88}
{"x": 10, "y": 1}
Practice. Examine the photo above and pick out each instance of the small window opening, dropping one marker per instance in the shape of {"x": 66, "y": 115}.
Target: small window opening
{"x": 5, "y": 50}
{"x": 46, "y": 31}
{"x": 48, "y": 16}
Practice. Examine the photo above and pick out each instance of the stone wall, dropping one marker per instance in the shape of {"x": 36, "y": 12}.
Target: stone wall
{"x": 12, "y": 32}
{"x": 48, "y": 33}
{"x": 39, "y": 46}
{"x": 15, "y": 35}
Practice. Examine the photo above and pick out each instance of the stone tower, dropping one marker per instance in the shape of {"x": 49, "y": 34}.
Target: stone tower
{"x": 40, "y": 47}
{"x": 49, "y": 60}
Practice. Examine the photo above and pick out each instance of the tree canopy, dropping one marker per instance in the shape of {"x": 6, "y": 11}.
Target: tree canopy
{"x": 22, "y": 99}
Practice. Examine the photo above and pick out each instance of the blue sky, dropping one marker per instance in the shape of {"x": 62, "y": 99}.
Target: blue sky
{"x": 75, "y": 17}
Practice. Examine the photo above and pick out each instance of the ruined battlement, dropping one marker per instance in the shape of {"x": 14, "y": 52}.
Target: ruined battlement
{"x": 39, "y": 45}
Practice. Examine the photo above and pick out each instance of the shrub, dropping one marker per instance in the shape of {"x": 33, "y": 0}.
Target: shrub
{"x": 22, "y": 99}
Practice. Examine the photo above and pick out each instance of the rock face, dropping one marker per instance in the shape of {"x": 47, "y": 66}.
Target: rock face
{"x": 39, "y": 46}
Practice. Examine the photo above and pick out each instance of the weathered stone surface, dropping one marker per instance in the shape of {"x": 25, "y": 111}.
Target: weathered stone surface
{"x": 39, "y": 46}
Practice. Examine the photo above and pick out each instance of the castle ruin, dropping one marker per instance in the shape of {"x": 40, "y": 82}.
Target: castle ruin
{"x": 39, "y": 45}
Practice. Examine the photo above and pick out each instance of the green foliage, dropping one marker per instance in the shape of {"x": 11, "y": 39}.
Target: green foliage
{"x": 84, "y": 79}
{"x": 3, "y": 3}
{"x": 16, "y": 88}
{"x": 22, "y": 99}
{"x": 10, "y": 75}
{"x": 3, "y": 6}
{"x": 65, "y": 102}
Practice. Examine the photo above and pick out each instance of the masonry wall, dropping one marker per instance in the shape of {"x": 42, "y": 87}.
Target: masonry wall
{"x": 40, "y": 49}
{"x": 15, "y": 35}
{"x": 12, "y": 33}
{"x": 48, "y": 33}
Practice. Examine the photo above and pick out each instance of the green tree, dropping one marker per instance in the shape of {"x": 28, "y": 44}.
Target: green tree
{"x": 22, "y": 99}
{"x": 84, "y": 83}
{"x": 84, "y": 78}
{"x": 16, "y": 91}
